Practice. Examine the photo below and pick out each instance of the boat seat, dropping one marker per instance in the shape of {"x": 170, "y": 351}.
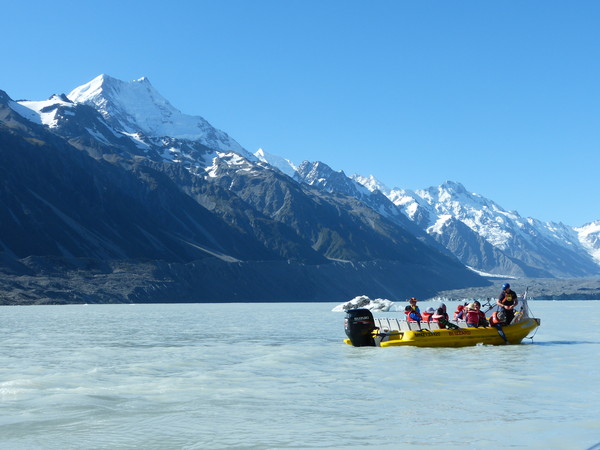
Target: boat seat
{"x": 414, "y": 326}
{"x": 383, "y": 324}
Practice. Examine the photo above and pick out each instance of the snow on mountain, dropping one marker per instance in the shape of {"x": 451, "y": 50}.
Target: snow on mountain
{"x": 488, "y": 219}
{"x": 320, "y": 175}
{"x": 485, "y": 217}
{"x": 451, "y": 199}
{"x": 438, "y": 210}
{"x": 131, "y": 107}
{"x": 134, "y": 117}
{"x": 453, "y": 216}
{"x": 371, "y": 183}
{"x": 589, "y": 236}
{"x": 285, "y": 165}
{"x": 226, "y": 161}
{"x": 42, "y": 112}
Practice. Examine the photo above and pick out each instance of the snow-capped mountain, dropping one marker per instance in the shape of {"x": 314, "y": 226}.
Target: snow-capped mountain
{"x": 156, "y": 184}
{"x": 285, "y": 165}
{"x": 589, "y": 236}
{"x": 44, "y": 111}
{"x": 93, "y": 177}
{"x": 488, "y": 238}
{"x": 479, "y": 232}
{"x": 320, "y": 175}
{"x": 135, "y": 106}
{"x": 133, "y": 115}
{"x": 371, "y": 183}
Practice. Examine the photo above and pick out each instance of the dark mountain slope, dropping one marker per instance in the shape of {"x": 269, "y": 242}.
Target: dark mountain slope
{"x": 57, "y": 200}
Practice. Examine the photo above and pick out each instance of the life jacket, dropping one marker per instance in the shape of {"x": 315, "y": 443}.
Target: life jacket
{"x": 497, "y": 318}
{"x": 508, "y": 299}
{"x": 500, "y": 315}
{"x": 412, "y": 316}
{"x": 426, "y": 316}
{"x": 473, "y": 316}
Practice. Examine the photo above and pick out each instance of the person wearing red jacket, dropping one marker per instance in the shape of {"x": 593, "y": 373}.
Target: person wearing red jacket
{"x": 474, "y": 317}
{"x": 460, "y": 312}
{"x": 427, "y": 315}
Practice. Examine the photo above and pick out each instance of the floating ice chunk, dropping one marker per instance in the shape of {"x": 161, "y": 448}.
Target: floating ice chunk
{"x": 362, "y": 301}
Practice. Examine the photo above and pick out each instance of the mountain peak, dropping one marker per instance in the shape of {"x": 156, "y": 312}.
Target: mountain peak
{"x": 135, "y": 106}
{"x": 454, "y": 186}
{"x": 285, "y": 165}
{"x": 91, "y": 89}
{"x": 371, "y": 183}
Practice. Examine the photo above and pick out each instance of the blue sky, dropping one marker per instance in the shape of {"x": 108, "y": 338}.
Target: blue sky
{"x": 502, "y": 96}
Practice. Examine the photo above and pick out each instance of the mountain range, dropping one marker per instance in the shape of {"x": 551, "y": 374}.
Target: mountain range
{"x": 110, "y": 194}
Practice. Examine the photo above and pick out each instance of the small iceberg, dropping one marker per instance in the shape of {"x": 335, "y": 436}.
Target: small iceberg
{"x": 362, "y": 301}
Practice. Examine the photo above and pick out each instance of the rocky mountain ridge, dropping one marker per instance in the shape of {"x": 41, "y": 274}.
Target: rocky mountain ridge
{"x": 89, "y": 195}
{"x": 476, "y": 230}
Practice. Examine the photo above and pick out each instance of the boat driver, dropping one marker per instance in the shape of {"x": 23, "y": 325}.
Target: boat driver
{"x": 508, "y": 300}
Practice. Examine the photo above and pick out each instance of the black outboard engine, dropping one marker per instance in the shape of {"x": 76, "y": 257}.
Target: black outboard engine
{"x": 359, "y": 325}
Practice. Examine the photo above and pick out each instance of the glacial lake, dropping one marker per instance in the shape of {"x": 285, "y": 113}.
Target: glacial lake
{"x": 278, "y": 376}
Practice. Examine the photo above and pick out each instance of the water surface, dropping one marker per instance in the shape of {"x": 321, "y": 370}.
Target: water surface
{"x": 278, "y": 376}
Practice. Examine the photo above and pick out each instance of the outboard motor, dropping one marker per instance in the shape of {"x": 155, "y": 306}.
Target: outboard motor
{"x": 359, "y": 325}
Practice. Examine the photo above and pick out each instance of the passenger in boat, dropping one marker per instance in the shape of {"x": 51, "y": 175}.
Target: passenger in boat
{"x": 508, "y": 301}
{"x": 428, "y": 314}
{"x": 412, "y": 315}
{"x": 413, "y": 305}
{"x": 460, "y": 312}
{"x": 498, "y": 318}
{"x": 474, "y": 317}
{"x": 441, "y": 316}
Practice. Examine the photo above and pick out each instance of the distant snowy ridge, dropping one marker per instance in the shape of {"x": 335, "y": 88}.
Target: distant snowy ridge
{"x": 436, "y": 209}
{"x": 451, "y": 199}
{"x": 285, "y": 165}
{"x": 484, "y": 236}
{"x": 589, "y": 236}
{"x": 371, "y": 183}
{"x": 42, "y": 112}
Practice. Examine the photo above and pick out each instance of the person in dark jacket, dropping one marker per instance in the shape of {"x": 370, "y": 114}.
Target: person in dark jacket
{"x": 441, "y": 317}
{"x": 508, "y": 301}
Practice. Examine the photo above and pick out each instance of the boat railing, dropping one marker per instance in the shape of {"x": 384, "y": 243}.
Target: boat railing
{"x": 392, "y": 324}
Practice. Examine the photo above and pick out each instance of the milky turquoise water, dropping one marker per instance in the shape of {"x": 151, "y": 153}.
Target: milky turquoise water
{"x": 278, "y": 376}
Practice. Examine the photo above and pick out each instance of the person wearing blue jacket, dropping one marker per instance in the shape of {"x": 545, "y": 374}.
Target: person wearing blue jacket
{"x": 412, "y": 315}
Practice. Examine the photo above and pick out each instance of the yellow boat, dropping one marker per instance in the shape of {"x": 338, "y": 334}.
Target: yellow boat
{"x": 363, "y": 330}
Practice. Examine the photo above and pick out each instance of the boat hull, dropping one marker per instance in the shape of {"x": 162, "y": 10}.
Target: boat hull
{"x": 462, "y": 337}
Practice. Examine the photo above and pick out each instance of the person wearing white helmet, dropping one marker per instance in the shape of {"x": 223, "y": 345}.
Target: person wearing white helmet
{"x": 474, "y": 316}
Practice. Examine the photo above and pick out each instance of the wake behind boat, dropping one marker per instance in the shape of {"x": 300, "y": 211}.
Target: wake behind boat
{"x": 364, "y": 330}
